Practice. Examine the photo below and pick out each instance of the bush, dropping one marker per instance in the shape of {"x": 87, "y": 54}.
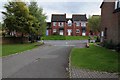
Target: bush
{"x": 117, "y": 47}
{"x": 109, "y": 44}
{"x": 97, "y": 39}
{"x": 56, "y": 33}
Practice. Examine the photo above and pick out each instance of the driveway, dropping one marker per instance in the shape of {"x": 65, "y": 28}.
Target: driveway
{"x": 47, "y": 61}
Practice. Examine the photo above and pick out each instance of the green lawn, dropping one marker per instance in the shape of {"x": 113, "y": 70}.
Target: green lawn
{"x": 53, "y": 38}
{"x": 65, "y": 37}
{"x": 8, "y": 49}
{"x": 95, "y": 58}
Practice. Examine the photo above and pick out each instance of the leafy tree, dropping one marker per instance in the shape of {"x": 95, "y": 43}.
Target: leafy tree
{"x": 0, "y": 26}
{"x": 94, "y": 23}
{"x": 17, "y": 18}
{"x": 37, "y": 13}
{"x": 24, "y": 19}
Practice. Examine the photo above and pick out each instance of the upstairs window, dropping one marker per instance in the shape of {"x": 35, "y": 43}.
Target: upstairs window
{"x": 83, "y": 24}
{"x": 117, "y": 4}
{"x": 54, "y": 23}
{"x": 77, "y": 24}
{"x": 61, "y": 24}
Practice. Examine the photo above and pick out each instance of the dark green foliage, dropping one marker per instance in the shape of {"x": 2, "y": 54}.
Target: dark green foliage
{"x": 39, "y": 22}
{"x": 94, "y": 23}
{"x": 17, "y": 18}
{"x": 97, "y": 39}
{"x": 23, "y": 19}
{"x": 117, "y": 47}
{"x": 109, "y": 44}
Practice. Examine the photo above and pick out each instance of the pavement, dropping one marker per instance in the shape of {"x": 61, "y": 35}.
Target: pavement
{"x": 86, "y": 73}
{"x": 47, "y": 61}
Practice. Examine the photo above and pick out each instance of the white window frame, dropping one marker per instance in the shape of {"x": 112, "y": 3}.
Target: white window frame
{"x": 61, "y": 32}
{"x": 83, "y": 24}
{"x": 117, "y": 4}
{"x": 54, "y": 30}
{"x": 77, "y": 23}
{"x": 69, "y": 30}
{"x": 69, "y": 23}
{"x": 77, "y": 31}
{"x": 54, "y": 23}
{"x": 61, "y": 24}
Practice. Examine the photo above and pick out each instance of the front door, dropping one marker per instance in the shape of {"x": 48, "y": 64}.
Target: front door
{"x": 69, "y": 32}
{"x": 61, "y": 32}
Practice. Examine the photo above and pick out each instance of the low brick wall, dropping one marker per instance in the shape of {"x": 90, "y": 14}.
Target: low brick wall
{"x": 11, "y": 40}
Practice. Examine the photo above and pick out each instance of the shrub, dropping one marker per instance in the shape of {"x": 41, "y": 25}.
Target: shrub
{"x": 97, "y": 39}
{"x": 117, "y": 47}
{"x": 109, "y": 44}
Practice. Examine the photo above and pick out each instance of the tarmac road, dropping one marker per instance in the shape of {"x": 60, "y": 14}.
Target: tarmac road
{"x": 47, "y": 61}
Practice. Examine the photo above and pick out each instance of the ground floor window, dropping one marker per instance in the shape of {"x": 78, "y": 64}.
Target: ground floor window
{"x": 77, "y": 31}
{"x": 54, "y": 30}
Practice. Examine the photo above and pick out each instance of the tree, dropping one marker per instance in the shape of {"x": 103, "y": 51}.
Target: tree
{"x": 17, "y": 18}
{"x": 0, "y": 26}
{"x": 37, "y": 13}
{"x": 94, "y": 23}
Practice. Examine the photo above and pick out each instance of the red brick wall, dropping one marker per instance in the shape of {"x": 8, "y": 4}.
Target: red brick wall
{"x": 110, "y": 21}
{"x": 66, "y": 27}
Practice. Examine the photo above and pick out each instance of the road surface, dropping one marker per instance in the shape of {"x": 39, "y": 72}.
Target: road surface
{"x": 47, "y": 61}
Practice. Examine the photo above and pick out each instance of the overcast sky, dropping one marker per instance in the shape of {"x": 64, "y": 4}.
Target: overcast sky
{"x": 91, "y": 7}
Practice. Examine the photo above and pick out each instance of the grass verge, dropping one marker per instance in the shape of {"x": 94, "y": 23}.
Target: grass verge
{"x": 8, "y": 49}
{"x": 65, "y": 37}
{"x": 95, "y": 58}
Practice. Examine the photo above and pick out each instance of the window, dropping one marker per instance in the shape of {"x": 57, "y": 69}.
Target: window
{"x": 69, "y": 23}
{"x": 117, "y": 4}
{"x": 83, "y": 24}
{"x": 60, "y": 24}
{"x": 105, "y": 33}
{"x": 69, "y": 32}
{"x": 77, "y": 31}
{"x": 54, "y": 23}
{"x": 77, "y": 24}
{"x": 54, "y": 30}
{"x": 83, "y": 29}
{"x": 61, "y": 32}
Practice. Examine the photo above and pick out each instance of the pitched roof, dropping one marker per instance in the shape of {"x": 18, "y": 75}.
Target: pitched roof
{"x": 68, "y": 19}
{"x": 58, "y": 17}
{"x": 79, "y": 17}
{"x": 101, "y": 5}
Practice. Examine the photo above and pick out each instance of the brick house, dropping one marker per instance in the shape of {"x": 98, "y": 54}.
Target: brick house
{"x": 75, "y": 26}
{"x": 110, "y": 21}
